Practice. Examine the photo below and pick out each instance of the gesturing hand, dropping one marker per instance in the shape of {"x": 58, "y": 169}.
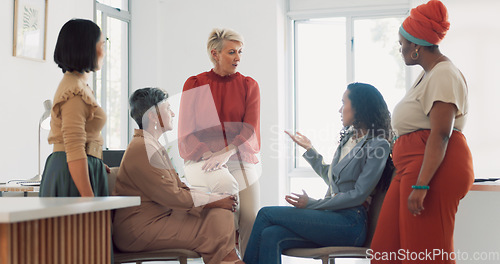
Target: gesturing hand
{"x": 416, "y": 201}
{"x": 298, "y": 200}
{"x": 300, "y": 139}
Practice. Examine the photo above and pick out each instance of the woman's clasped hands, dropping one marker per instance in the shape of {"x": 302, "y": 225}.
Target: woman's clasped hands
{"x": 224, "y": 201}
{"x": 217, "y": 160}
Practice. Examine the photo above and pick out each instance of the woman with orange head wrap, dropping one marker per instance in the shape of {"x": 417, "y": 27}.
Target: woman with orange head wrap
{"x": 431, "y": 156}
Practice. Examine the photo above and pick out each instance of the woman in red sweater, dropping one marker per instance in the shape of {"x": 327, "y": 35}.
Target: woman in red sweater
{"x": 219, "y": 129}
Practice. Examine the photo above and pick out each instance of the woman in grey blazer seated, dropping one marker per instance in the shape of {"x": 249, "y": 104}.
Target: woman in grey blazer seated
{"x": 339, "y": 219}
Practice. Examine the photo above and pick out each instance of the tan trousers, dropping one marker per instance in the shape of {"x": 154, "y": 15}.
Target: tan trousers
{"x": 238, "y": 178}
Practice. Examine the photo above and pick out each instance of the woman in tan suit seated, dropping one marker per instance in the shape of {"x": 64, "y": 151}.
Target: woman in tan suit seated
{"x": 171, "y": 215}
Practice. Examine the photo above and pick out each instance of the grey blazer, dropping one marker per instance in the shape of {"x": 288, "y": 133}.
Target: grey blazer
{"x": 352, "y": 179}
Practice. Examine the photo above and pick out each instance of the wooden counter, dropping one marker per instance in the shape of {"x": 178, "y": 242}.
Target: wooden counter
{"x": 37, "y": 230}
{"x": 16, "y": 188}
{"x": 486, "y": 186}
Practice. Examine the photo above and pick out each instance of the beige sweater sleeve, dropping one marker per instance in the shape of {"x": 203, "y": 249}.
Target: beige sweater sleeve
{"x": 74, "y": 114}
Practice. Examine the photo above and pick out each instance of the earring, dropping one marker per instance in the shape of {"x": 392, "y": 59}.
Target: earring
{"x": 156, "y": 125}
{"x": 416, "y": 55}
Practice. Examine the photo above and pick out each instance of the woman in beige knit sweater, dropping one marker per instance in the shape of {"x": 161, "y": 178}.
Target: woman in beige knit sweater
{"x": 75, "y": 168}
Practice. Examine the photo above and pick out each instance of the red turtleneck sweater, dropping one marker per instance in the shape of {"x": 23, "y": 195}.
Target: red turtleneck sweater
{"x": 217, "y": 111}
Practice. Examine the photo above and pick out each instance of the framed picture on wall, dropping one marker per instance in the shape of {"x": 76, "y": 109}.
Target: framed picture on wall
{"x": 30, "y": 29}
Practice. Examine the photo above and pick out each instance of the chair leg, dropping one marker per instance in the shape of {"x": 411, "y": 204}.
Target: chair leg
{"x": 332, "y": 261}
{"x": 183, "y": 260}
{"x": 324, "y": 259}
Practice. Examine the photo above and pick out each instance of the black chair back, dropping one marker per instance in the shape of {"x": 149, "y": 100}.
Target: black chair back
{"x": 112, "y": 158}
{"x": 373, "y": 213}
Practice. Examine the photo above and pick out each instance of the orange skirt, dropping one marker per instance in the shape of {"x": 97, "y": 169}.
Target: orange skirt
{"x": 400, "y": 236}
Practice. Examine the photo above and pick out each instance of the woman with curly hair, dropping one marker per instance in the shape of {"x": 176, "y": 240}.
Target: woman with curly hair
{"x": 340, "y": 219}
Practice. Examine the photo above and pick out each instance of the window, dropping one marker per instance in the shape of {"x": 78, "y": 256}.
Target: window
{"x": 119, "y": 4}
{"x": 112, "y": 82}
{"x": 328, "y": 54}
{"x": 377, "y": 59}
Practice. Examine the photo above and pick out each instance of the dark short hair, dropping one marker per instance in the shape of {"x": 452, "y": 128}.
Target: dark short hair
{"x": 142, "y": 100}
{"x": 76, "y": 46}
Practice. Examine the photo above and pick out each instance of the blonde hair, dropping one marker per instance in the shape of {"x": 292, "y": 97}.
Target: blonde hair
{"x": 217, "y": 37}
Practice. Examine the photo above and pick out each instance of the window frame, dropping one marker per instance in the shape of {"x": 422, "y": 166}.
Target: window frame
{"x": 124, "y": 16}
{"x": 350, "y": 14}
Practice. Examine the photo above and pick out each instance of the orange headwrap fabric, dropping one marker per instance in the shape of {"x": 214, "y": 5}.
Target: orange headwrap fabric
{"x": 428, "y": 22}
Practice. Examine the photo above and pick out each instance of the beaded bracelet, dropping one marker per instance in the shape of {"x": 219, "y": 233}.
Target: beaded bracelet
{"x": 420, "y": 187}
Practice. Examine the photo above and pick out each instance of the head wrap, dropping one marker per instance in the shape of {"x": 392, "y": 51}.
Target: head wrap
{"x": 427, "y": 24}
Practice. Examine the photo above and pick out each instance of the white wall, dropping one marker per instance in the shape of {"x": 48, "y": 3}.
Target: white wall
{"x": 472, "y": 44}
{"x": 476, "y": 228}
{"x": 145, "y": 65}
{"x": 301, "y": 5}
{"x": 25, "y": 85}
